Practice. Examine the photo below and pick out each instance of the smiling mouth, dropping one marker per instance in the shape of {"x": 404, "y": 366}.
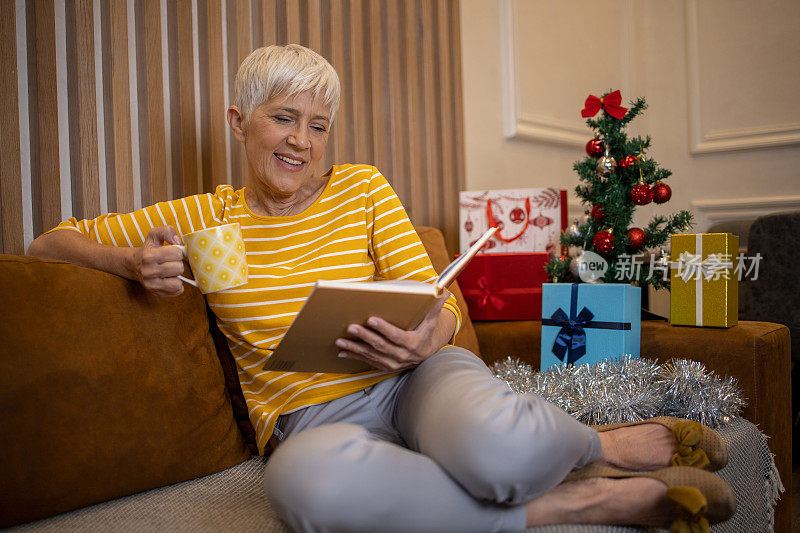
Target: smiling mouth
{"x": 289, "y": 160}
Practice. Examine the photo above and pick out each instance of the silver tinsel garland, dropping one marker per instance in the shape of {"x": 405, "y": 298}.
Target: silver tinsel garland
{"x": 630, "y": 389}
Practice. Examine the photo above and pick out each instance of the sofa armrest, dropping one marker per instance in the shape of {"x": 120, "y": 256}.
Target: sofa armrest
{"x": 755, "y": 353}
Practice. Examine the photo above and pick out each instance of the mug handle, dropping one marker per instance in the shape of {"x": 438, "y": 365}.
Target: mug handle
{"x": 182, "y": 248}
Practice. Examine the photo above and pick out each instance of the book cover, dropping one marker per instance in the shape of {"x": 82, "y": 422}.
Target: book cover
{"x": 309, "y": 344}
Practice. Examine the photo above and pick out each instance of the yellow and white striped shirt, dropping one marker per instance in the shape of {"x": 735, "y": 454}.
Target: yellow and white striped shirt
{"x": 357, "y": 230}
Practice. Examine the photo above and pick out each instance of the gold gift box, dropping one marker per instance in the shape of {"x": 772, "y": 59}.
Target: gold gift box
{"x": 704, "y": 285}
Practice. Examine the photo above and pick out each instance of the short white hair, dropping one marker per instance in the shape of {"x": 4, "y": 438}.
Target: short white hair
{"x": 290, "y": 69}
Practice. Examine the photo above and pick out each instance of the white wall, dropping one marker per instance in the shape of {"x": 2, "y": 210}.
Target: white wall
{"x": 721, "y": 79}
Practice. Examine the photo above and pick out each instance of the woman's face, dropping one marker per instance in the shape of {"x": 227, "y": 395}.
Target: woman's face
{"x": 285, "y": 140}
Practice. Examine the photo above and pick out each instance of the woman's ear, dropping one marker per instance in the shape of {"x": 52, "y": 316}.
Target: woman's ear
{"x": 236, "y": 122}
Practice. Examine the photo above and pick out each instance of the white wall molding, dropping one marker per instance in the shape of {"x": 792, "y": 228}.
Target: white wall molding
{"x": 518, "y": 124}
{"x": 509, "y": 66}
{"x": 710, "y": 211}
{"x": 703, "y": 141}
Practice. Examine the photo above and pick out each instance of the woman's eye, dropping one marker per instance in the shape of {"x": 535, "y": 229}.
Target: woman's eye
{"x": 319, "y": 128}
{"x": 281, "y": 118}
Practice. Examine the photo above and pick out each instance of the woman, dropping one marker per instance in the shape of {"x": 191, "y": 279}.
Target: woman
{"x": 429, "y": 440}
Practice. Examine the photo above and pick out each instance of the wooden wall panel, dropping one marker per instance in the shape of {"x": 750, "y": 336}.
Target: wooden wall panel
{"x": 106, "y": 126}
{"x": 11, "y": 236}
{"x": 216, "y": 90}
{"x": 413, "y": 113}
{"x": 188, "y": 128}
{"x": 394, "y": 61}
{"x": 429, "y": 127}
{"x": 203, "y": 111}
{"x": 171, "y": 64}
{"x": 450, "y": 97}
{"x": 293, "y": 21}
{"x": 377, "y": 82}
{"x": 87, "y": 175}
{"x": 359, "y": 95}
{"x": 341, "y": 142}
{"x": 121, "y": 99}
{"x": 314, "y": 23}
{"x": 154, "y": 87}
{"x": 243, "y": 45}
{"x": 268, "y": 22}
{"x": 46, "y": 175}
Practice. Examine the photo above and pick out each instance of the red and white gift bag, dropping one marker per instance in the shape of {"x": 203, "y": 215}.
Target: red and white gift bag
{"x": 528, "y": 220}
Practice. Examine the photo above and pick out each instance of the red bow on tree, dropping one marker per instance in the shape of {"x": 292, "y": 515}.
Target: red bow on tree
{"x": 610, "y": 102}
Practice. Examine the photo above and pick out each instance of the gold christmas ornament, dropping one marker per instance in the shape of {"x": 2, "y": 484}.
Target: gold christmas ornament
{"x": 606, "y": 164}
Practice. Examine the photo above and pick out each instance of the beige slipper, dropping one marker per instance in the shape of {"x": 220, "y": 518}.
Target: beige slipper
{"x": 699, "y": 498}
{"x": 698, "y": 446}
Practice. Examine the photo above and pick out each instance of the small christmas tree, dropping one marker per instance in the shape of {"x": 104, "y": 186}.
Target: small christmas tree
{"x": 616, "y": 177}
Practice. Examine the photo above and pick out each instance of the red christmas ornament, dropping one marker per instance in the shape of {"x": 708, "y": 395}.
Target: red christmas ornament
{"x": 468, "y": 226}
{"x": 661, "y": 193}
{"x": 603, "y": 241}
{"x": 598, "y": 213}
{"x": 517, "y": 215}
{"x": 542, "y": 221}
{"x": 635, "y": 238}
{"x": 641, "y": 194}
{"x": 595, "y": 148}
{"x": 627, "y": 162}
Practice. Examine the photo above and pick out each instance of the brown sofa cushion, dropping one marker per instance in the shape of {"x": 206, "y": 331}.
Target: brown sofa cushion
{"x": 106, "y": 390}
{"x": 433, "y": 240}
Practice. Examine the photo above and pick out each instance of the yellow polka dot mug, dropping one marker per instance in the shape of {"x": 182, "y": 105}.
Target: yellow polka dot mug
{"x": 217, "y": 258}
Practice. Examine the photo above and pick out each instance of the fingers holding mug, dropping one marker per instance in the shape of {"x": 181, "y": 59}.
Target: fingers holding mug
{"x": 158, "y": 263}
{"x": 184, "y": 255}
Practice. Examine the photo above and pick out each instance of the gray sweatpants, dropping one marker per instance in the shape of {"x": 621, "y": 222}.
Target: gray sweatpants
{"x": 445, "y": 447}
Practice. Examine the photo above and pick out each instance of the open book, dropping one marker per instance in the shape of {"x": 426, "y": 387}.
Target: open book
{"x": 309, "y": 344}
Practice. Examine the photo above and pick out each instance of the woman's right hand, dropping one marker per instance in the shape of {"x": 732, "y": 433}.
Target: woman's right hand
{"x": 156, "y": 264}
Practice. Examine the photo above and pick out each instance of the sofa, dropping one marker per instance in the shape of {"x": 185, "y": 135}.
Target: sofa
{"x": 767, "y": 298}
{"x": 108, "y": 391}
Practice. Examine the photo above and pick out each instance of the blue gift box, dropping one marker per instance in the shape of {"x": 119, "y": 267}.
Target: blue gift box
{"x": 587, "y": 322}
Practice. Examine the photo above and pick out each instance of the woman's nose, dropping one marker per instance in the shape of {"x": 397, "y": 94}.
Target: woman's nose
{"x": 299, "y": 139}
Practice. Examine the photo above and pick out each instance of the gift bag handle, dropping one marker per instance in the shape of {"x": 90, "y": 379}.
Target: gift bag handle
{"x": 493, "y": 222}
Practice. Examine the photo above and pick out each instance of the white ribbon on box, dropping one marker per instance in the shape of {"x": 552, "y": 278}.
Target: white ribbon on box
{"x": 702, "y": 270}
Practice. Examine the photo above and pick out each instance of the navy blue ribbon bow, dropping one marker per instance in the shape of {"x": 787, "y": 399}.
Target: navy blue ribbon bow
{"x": 571, "y": 338}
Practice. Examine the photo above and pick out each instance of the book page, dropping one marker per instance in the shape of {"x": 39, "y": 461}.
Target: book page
{"x": 384, "y": 285}
{"x": 454, "y": 269}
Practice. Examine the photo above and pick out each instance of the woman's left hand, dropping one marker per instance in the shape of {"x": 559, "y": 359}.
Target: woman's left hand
{"x": 387, "y": 347}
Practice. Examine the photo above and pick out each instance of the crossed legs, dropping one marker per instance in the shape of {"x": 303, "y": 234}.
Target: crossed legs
{"x": 478, "y": 458}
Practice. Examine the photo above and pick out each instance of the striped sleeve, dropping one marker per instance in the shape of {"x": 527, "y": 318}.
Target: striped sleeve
{"x": 394, "y": 244}
{"x": 130, "y": 229}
